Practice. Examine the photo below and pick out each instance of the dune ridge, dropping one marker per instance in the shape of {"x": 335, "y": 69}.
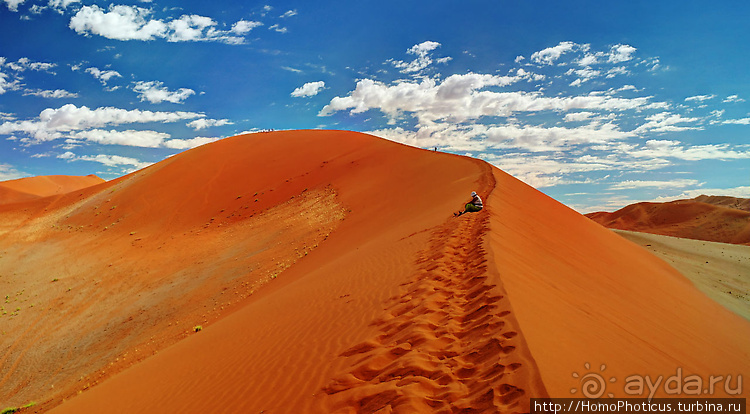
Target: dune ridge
{"x": 716, "y": 219}
{"x": 448, "y": 342}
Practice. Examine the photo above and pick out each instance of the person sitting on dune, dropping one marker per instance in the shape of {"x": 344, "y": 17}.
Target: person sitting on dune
{"x": 473, "y": 206}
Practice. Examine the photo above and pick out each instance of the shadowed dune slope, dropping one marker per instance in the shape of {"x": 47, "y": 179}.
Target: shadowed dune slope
{"x": 718, "y": 219}
{"x": 25, "y": 189}
{"x": 583, "y": 295}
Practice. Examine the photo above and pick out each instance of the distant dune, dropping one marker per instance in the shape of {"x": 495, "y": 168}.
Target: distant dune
{"x": 709, "y": 218}
{"x": 723, "y": 201}
{"x": 25, "y": 189}
{"x": 323, "y": 272}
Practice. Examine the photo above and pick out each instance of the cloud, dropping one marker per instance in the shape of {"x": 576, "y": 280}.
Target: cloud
{"x": 54, "y": 123}
{"x": 578, "y": 116}
{"x": 243, "y": 27}
{"x": 549, "y": 55}
{"x": 203, "y": 123}
{"x": 103, "y": 75}
{"x": 460, "y": 98}
{"x": 108, "y": 160}
{"x": 423, "y": 58}
{"x": 584, "y": 75}
{"x": 61, "y": 5}
{"x": 678, "y": 150}
{"x": 733, "y": 98}
{"x": 143, "y": 139}
{"x": 6, "y": 85}
{"x": 741, "y": 121}
{"x": 699, "y": 98}
{"x": 309, "y": 89}
{"x": 9, "y": 172}
{"x": 621, "y": 53}
{"x": 56, "y": 94}
{"x": 121, "y": 22}
{"x": 536, "y": 127}
{"x": 189, "y": 143}
{"x": 278, "y": 28}
{"x": 147, "y": 139}
{"x": 24, "y": 64}
{"x": 155, "y": 92}
{"x": 189, "y": 28}
{"x": 289, "y": 13}
{"x": 635, "y": 184}
{"x": 740, "y": 192}
{"x": 539, "y": 139}
{"x": 666, "y": 122}
{"x": 615, "y": 55}
{"x": 545, "y": 170}
{"x": 13, "y": 4}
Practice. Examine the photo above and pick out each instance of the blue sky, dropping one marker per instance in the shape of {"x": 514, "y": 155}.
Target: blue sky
{"x": 598, "y": 104}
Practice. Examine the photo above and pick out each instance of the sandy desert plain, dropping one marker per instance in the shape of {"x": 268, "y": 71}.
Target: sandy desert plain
{"x": 323, "y": 272}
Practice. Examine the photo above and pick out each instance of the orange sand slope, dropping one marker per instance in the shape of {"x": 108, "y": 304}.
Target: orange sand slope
{"x": 391, "y": 305}
{"x": 24, "y": 189}
{"x": 709, "y": 218}
{"x": 322, "y": 260}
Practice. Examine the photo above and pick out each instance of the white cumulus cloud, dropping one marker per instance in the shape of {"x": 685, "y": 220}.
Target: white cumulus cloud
{"x": 123, "y": 22}
{"x": 309, "y": 89}
{"x": 106, "y": 159}
{"x": 55, "y": 123}
{"x": 203, "y": 123}
{"x": 120, "y": 23}
{"x": 155, "y": 92}
{"x": 24, "y": 64}
{"x": 621, "y": 53}
{"x": 549, "y": 55}
{"x": 103, "y": 75}
{"x": 147, "y": 139}
{"x": 423, "y": 57}
{"x": 13, "y": 4}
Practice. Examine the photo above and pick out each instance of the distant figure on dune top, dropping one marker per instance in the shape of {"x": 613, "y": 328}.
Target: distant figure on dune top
{"x": 473, "y": 206}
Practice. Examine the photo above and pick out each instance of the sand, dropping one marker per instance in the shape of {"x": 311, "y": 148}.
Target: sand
{"x": 717, "y": 219}
{"x": 720, "y": 270}
{"x": 327, "y": 274}
{"x": 588, "y": 300}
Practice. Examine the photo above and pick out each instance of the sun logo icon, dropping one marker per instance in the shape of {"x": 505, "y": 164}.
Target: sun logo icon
{"x": 593, "y": 384}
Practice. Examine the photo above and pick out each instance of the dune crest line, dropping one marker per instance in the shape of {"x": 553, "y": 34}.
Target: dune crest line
{"x": 447, "y": 343}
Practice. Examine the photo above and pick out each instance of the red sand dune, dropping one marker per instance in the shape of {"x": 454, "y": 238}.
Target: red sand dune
{"x": 328, "y": 275}
{"x": 723, "y": 201}
{"x": 24, "y": 189}
{"x": 718, "y": 219}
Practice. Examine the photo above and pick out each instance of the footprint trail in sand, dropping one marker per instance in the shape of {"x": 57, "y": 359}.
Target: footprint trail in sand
{"x": 447, "y": 344}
